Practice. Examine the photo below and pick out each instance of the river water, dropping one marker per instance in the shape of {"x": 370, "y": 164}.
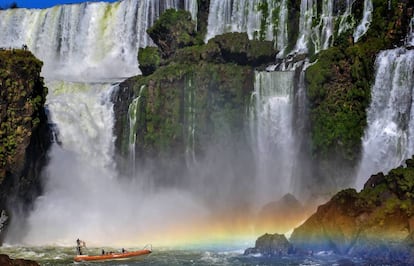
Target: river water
{"x": 59, "y": 256}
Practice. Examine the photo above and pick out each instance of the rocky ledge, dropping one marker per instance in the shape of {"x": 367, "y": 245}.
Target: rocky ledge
{"x": 5, "y": 260}
{"x": 376, "y": 224}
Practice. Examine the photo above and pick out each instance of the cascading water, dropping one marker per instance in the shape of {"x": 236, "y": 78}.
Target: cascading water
{"x": 86, "y": 41}
{"x": 345, "y": 23}
{"x": 314, "y": 29}
{"x": 363, "y": 26}
{"x": 278, "y": 125}
{"x": 133, "y": 117}
{"x": 272, "y": 130}
{"x": 324, "y": 30}
{"x": 95, "y": 43}
{"x": 191, "y": 113}
{"x": 410, "y": 36}
{"x": 242, "y": 16}
{"x": 389, "y": 136}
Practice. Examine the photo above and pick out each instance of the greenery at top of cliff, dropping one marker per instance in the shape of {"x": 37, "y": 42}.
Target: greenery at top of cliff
{"x": 22, "y": 95}
{"x": 339, "y": 82}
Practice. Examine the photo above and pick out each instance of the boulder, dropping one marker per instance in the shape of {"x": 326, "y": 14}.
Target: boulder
{"x": 271, "y": 245}
{"x": 236, "y": 48}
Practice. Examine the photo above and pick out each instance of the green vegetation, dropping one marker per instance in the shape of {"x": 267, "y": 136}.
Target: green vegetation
{"x": 221, "y": 92}
{"x": 263, "y": 8}
{"x": 22, "y": 95}
{"x": 149, "y": 60}
{"x": 174, "y": 30}
{"x": 340, "y": 80}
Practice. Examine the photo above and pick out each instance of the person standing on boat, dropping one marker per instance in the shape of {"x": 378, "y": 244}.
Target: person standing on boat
{"x": 79, "y": 245}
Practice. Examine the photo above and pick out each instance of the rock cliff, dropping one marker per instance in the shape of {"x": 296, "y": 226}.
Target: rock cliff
{"x": 376, "y": 223}
{"x": 187, "y": 85}
{"x": 24, "y": 132}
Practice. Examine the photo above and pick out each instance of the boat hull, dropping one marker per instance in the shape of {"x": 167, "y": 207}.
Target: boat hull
{"x": 113, "y": 256}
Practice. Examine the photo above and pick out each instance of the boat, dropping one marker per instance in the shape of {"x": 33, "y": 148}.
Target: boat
{"x": 113, "y": 255}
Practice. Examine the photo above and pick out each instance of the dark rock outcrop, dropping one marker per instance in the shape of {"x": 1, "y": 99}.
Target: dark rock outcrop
{"x": 374, "y": 224}
{"x": 5, "y": 260}
{"x": 24, "y": 132}
{"x": 271, "y": 245}
{"x": 237, "y": 48}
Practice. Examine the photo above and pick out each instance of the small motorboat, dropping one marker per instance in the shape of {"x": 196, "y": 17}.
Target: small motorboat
{"x": 113, "y": 255}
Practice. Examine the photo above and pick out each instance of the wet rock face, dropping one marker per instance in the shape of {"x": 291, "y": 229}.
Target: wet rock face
{"x": 271, "y": 245}
{"x": 24, "y": 132}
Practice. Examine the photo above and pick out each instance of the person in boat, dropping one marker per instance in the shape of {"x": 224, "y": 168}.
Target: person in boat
{"x": 79, "y": 245}
{"x": 123, "y": 250}
{"x": 103, "y": 252}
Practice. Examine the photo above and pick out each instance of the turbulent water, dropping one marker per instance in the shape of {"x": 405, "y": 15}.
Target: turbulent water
{"x": 60, "y": 256}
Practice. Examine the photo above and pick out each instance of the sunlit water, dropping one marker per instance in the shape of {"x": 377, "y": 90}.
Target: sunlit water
{"x": 164, "y": 256}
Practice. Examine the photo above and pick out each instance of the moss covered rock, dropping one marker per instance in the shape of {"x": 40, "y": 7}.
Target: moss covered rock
{"x": 149, "y": 59}
{"x": 24, "y": 132}
{"x": 209, "y": 97}
{"x": 173, "y": 30}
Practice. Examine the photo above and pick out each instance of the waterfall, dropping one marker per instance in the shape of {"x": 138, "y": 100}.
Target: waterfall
{"x": 305, "y": 25}
{"x": 86, "y": 49}
{"x": 134, "y": 118}
{"x": 324, "y": 30}
{"x": 345, "y": 22}
{"x": 315, "y": 32}
{"x": 363, "y": 26}
{"x": 243, "y": 16}
{"x": 389, "y": 136}
{"x": 89, "y": 41}
{"x": 190, "y": 122}
{"x": 410, "y": 36}
{"x": 272, "y": 132}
